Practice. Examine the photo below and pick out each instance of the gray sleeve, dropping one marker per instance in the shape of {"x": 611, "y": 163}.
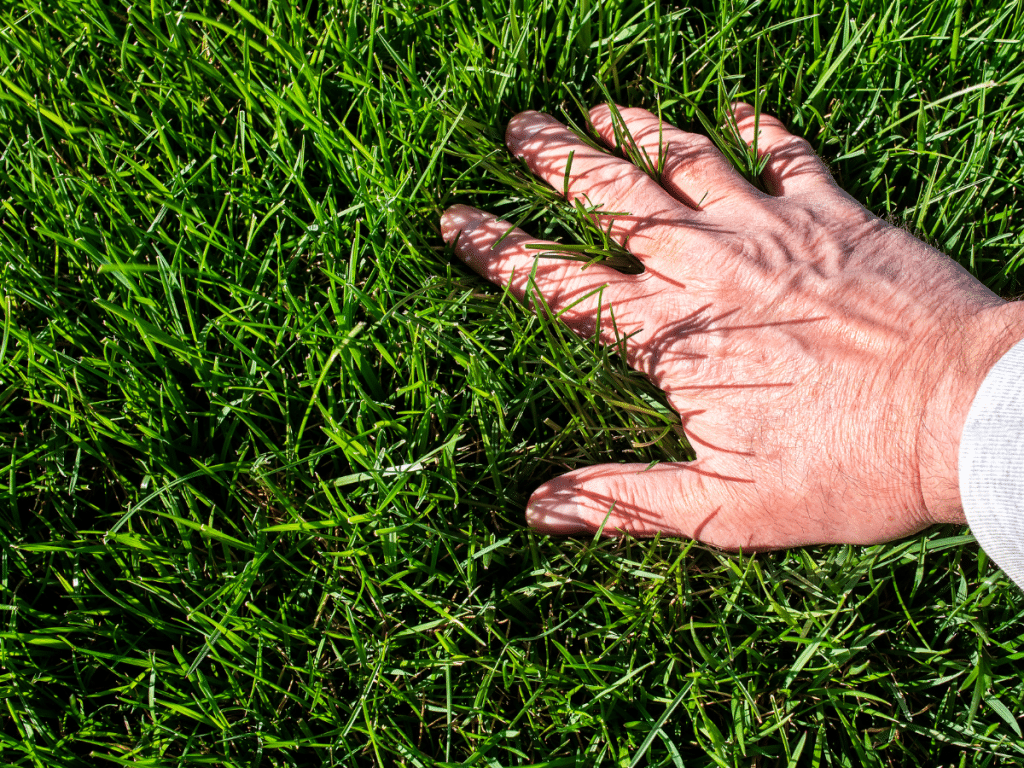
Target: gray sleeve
{"x": 991, "y": 464}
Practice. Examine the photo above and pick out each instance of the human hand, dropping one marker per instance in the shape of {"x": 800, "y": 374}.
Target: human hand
{"x": 822, "y": 361}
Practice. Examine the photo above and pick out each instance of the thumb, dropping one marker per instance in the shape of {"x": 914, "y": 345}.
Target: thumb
{"x": 674, "y": 499}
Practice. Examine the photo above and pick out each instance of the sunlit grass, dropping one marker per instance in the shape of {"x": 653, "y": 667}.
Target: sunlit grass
{"x": 266, "y": 444}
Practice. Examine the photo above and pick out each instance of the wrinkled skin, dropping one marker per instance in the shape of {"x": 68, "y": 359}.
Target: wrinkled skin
{"x": 822, "y": 361}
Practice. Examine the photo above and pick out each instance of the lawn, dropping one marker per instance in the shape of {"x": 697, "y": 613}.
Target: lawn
{"x": 265, "y": 444}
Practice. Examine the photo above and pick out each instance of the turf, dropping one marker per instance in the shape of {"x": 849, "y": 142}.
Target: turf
{"x": 265, "y": 444}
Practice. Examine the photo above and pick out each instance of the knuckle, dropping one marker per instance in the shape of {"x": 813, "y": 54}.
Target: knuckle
{"x": 799, "y": 144}
{"x": 701, "y": 143}
{"x": 771, "y": 121}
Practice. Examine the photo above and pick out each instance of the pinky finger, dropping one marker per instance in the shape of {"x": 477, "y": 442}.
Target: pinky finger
{"x": 793, "y": 170}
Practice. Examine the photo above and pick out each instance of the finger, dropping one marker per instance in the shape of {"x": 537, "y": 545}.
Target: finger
{"x": 581, "y": 297}
{"x": 793, "y": 170}
{"x": 671, "y": 499}
{"x": 645, "y": 214}
{"x": 694, "y": 171}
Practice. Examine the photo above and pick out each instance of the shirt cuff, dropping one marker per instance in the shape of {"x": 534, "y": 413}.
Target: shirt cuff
{"x": 991, "y": 464}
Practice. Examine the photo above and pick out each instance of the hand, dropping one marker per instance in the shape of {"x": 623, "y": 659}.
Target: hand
{"x": 821, "y": 360}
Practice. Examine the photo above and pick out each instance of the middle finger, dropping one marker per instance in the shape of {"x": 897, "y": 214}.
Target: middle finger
{"x": 635, "y": 210}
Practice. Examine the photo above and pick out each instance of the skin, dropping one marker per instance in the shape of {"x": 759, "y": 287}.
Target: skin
{"x": 822, "y": 362}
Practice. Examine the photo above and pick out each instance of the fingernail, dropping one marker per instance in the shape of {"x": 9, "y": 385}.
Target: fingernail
{"x": 453, "y": 221}
{"x": 525, "y": 126}
{"x": 555, "y": 510}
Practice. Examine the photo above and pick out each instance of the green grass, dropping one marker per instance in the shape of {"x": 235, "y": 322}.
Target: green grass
{"x": 265, "y": 444}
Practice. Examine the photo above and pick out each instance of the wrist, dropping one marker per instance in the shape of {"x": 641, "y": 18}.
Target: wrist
{"x": 961, "y": 360}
